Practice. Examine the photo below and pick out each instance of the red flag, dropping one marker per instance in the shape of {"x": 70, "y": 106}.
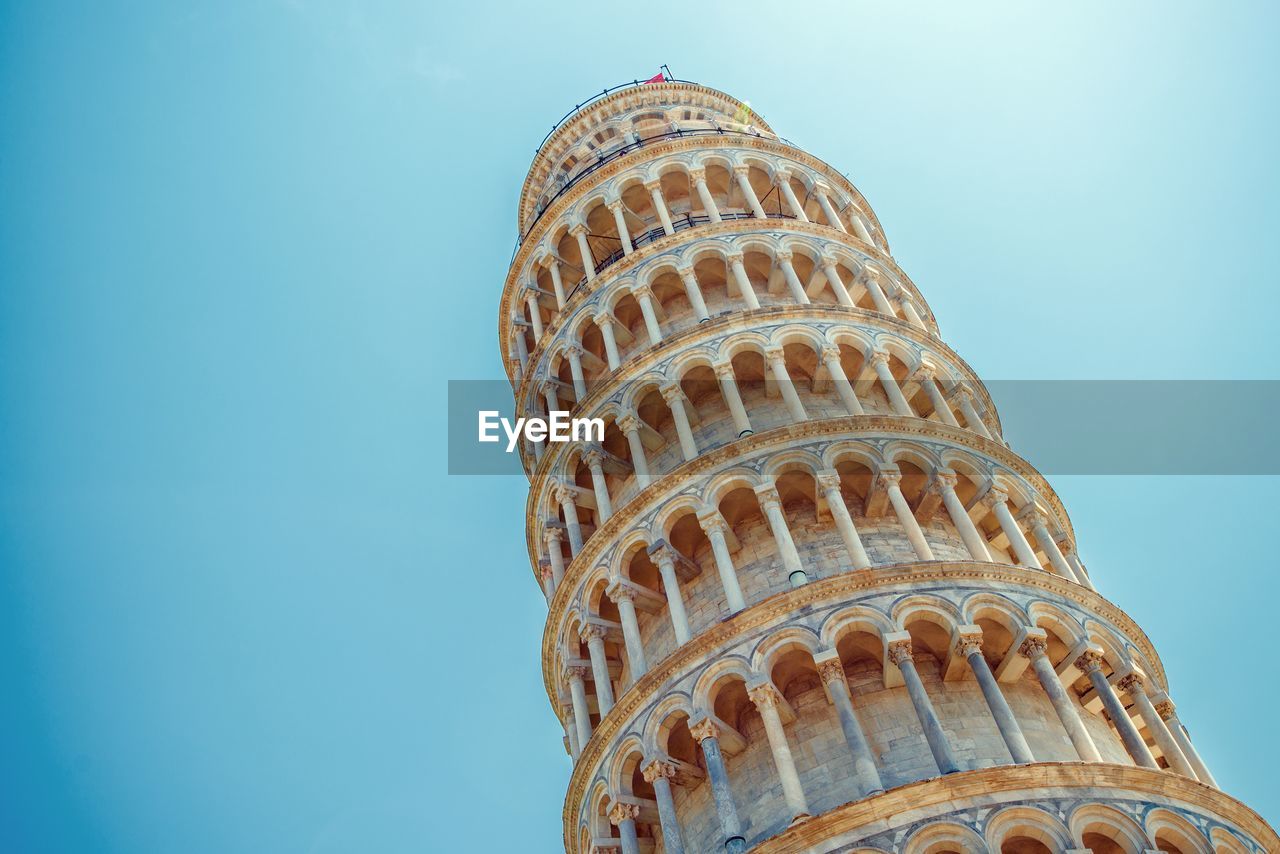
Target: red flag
{"x": 657, "y": 78}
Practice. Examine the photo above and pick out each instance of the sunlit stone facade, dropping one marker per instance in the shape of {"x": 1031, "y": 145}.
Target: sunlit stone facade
{"x": 803, "y": 597}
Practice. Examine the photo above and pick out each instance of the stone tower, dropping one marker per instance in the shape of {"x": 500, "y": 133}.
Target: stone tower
{"x": 802, "y": 596}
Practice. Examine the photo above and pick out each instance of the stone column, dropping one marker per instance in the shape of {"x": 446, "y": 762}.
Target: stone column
{"x": 552, "y": 538}
{"x": 707, "y": 734}
{"x": 620, "y": 220}
{"x": 605, "y": 322}
{"x": 729, "y": 390}
{"x": 576, "y": 677}
{"x": 665, "y": 557}
{"x": 593, "y": 636}
{"x": 715, "y": 527}
{"x": 625, "y": 598}
{"x": 659, "y": 774}
{"x": 931, "y": 390}
{"x": 570, "y": 730}
{"x": 945, "y": 482}
{"x": 553, "y": 403}
{"x": 1039, "y": 526}
{"x": 1090, "y": 664}
{"x": 881, "y": 301}
{"x": 829, "y": 211}
{"x": 630, "y": 426}
{"x": 744, "y": 284}
{"x": 998, "y": 501}
{"x": 909, "y": 310}
{"x": 522, "y": 346}
{"x": 880, "y": 362}
{"x": 778, "y": 367}
{"x": 674, "y": 396}
{"x": 1165, "y": 708}
{"x": 579, "y": 231}
{"x": 699, "y": 178}
{"x": 535, "y": 317}
{"x": 548, "y": 580}
{"x": 623, "y": 816}
{"x": 829, "y": 483}
{"x": 574, "y": 355}
{"x": 831, "y": 358}
{"x": 1073, "y": 560}
{"x": 694, "y": 292}
{"x": 644, "y": 297}
{"x": 748, "y": 192}
{"x": 900, "y": 654}
{"x": 765, "y": 697}
{"x": 1132, "y": 684}
{"x": 793, "y": 281}
{"x": 860, "y": 229}
{"x": 890, "y": 481}
{"x": 595, "y": 462}
{"x": 972, "y": 420}
{"x": 831, "y": 671}
{"x": 660, "y": 205}
{"x": 1035, "y": 649}
{"x": 837, "y": 284}
{"x": 564, "y": 495}
{"x": 557, "y": 283}
{"x": 969, "y": 647}
{"x": 783, "y": 179}
{"x": 771, "y": 504}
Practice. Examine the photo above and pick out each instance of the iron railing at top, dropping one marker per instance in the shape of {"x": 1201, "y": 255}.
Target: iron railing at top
{"x": 604, "y": 93}
{"x": 605, "y": 159}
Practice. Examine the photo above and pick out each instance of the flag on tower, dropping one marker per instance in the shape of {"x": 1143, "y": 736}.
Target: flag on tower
{"x": 657, "y": 78}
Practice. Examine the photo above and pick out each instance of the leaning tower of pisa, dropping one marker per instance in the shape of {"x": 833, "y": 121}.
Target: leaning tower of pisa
{"x": 802, "y": 596}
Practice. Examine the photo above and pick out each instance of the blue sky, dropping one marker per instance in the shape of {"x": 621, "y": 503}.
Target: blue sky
{"x": 245, "y": 244}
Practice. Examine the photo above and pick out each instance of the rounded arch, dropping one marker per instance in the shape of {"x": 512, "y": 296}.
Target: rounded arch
{"x": 733, "y": 667}
{"x": 781, "y": 642}
{"x": 944, "y": 837}
{"x": 1168, "y": 831}
{"x": 1094, "y": 824}
{"x": 856, "y": 618}
{"x": 1029, "y": 823}
{"x": 626, "y": 758}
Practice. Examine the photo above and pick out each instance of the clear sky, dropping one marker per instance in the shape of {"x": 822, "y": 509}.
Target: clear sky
{"x": 243, "y": 245}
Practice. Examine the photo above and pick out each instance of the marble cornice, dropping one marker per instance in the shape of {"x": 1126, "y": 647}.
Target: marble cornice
{"x": 849, "y": 427}
{"x": 718, "y": 143}
{"x": 837, "y": 588}
{"x": 983, "y": 785}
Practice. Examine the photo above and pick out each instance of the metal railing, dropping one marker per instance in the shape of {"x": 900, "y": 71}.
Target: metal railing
{"x": 604, "y": 93}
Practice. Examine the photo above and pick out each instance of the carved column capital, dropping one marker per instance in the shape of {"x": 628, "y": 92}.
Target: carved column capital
{"x": 831, "y": 670}
{"x": 767, "y": 495}
{"x": 1033, "y": 648}
{"x": 1165, "y": 709}
{"x": 1131, "y": 683}
{"x": 724, "y": 370}
{"x": 619, "y": 593}
{"x": 590, "y": 631}
{"x": 900, "y": 651}
{"x": 830, "y": 354}
{"x": 765, "y": 696}
{"x": 621, "y": 812}
{"x": 713, "y": 523}
{"x": 828, "y": 481}
{"x": 784, "y": 256}
{"x": 577, "y": 671}
{"x": 628, "y": 422}
{"x": 1089, "y": 661}
{"x": 704, "y": 729}
{"x": 658, "y": 769}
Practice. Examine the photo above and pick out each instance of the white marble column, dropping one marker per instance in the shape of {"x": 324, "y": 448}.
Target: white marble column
{"x": 873, "y": 288}
{"x": 623, "y": 816}
{"x": 860, "y": 229}
{"x": 1090, "y": 664}
{"x": 716, "y": 529}
{"x": 1165, "y": 708}
{"x": 945, "y": 482}
{"x": 829, "y": 210}
{"x": 595, "y": 463}
{"x": 744, "y": 183}
{"x": 829, "y": 483}
{"x": 900, "y": 653}
{"x": 1039, "y": 525}
{"x": 593, "y": 636}
{"x": 1035, "y": 649}
{"x": 707, "y": 734}
{"x": 971, "y": 418}
{"x": 925, "y": 375}
{"x": 556, "y": 282}
{"x": 620, "y": 220}
{"x": 766, "y": 699}
{"x": 837, "y": 284}
{"x": 565, "y": 495}
{"x": 793, "y": 281}
{"x": 783, "y": 179}
{"x": 778, "y": 367}
{"x": 535, "y": 316}
{"x": 1133, "y": 685}
{"x": 630, "y": 426}
{"x": 699, "y": 179}
{"x": 909, "y": 311}
{"x": 745, "y": 290}
{"x": 694, "y": 292}
{"x": 644, "y": 297}
{"x": 604, "y": 321}
{"x": 771, "y": 504}
{"x": 831, "y": 359}
{"x": 660, "y": 205}
{"x": 579, "y": 231}
{"x": 665, "y": 557}
{"x": 674, "y": 396}
{"x": 625, "y": 598}
{"x": 576, "y": 677}
{"x": 998, "y": 501}
{"x": 880, "y": 363}
{"x": 831, "y": 672}
{"x": 969, "y": 647}
{"x": 574, "y": 355}
{"x": 729, "y": 390}
{"x": 661, "y": 775}
{"x": 890, "y": 481}
{"x": 552, "y": 537}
